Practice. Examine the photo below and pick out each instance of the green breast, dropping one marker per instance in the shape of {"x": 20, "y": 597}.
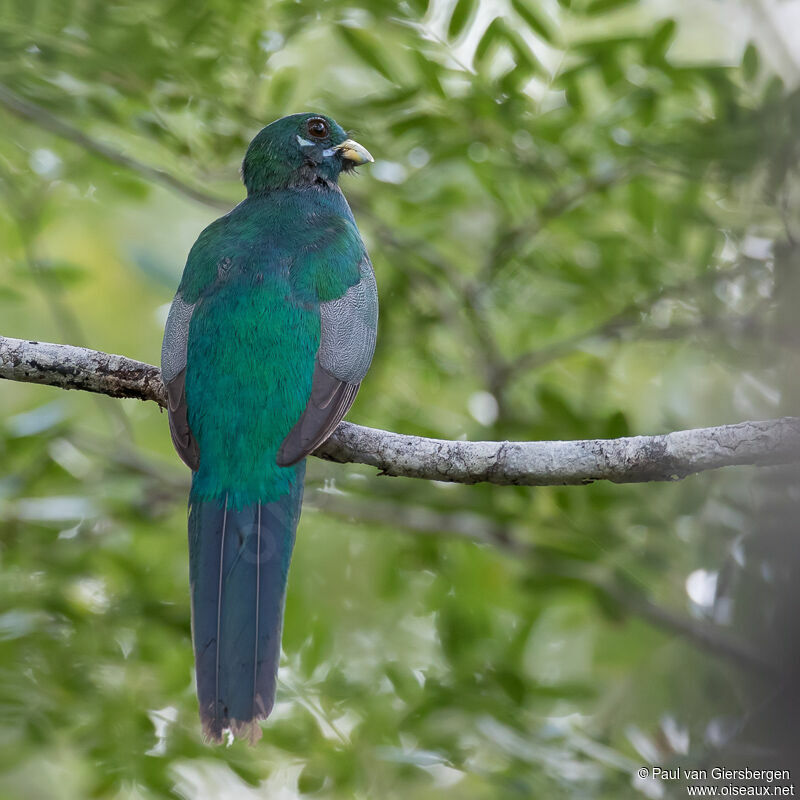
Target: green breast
{"x": 250, "y": 364}
{"x": 257, "y": 277}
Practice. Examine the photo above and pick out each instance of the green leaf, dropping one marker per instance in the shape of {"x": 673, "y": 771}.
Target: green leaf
{"x": 524, "y": 55}
{"x": 617, "y": 426}
{"x": 63, "y": 272}
{"x": 367, "y": 48}
{"x": 494, "y": 33}
{"x": 534, "y": 18}
{"x": 420, "y": 7}
{"x": 282, "y": 86}
{"x": 311, "y": 780}
{"x": 610, "y": 67}
{"x": 610, "y": 607}
{"x": 415, "y": 122}
{"x": 463, "y": 12}
{"x": 9, "y": 295}
{"x": 249, "y": 774}
{"x": 598, "y": 7}
{"x": 574, "y": 93}
{"x": 750, "y": 62}
{"x": 430, "y": 71}
{"x": 656, "y": 48}
{"x": 773, "y": 91}
{"x": 511, "y": 683}
{"x": 643, "y": 203}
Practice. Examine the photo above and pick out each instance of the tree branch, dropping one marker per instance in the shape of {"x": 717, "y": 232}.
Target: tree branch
{"x": 24, "y": 109}
{"x": 514, "y": 239}
{"x": 69, "y": 367}
{"x": 632, "y": 459}
{"x": 625, "y": 318}
{"x": 474, "y": 527}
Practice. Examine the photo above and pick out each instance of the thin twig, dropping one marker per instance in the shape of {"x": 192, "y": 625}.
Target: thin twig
{"x": 614, "y": 325}
{"x": 513, "y": 239}
{"x": 25, "y": 109}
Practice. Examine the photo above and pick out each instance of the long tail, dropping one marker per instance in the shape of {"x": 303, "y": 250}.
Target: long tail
{"x": 238, "y": 566}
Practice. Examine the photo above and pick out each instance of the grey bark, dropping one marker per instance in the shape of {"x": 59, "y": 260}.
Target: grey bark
{"x": 634, "y": 459}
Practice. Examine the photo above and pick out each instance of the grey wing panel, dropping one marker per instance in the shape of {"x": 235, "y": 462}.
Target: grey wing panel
{"x": 347, "y": 342}
{"x": 349, "y": 327}
{"x": 182, "y": 438}
{"x": 329, "y": 402}
{"x": 176, "y": 338}
{"x": 173, "y": 373}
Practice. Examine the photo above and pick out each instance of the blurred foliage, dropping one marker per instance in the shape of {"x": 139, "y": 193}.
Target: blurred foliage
{"x": 575, "y": 233}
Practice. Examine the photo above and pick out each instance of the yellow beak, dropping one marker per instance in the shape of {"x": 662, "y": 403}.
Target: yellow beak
{"x": 354, "y": 152}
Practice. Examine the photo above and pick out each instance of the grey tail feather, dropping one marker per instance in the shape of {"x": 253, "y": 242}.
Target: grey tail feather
{"x": 238, "y": 565}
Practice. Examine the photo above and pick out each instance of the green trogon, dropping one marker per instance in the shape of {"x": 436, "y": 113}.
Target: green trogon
{"x": 266, "y": 343}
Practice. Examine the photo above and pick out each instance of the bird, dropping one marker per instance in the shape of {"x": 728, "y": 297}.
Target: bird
{"x": 267, "y": 340}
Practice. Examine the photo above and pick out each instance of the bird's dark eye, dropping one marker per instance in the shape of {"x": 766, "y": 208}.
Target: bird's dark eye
{"x": 317, "y": 128}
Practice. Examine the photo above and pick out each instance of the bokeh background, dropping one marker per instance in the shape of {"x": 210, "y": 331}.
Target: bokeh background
{"x": 584, "y": 222}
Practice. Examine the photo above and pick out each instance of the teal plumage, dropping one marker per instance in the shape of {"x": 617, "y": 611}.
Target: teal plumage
{"x": 268, "y": 338}
{"x": 251, "y": 352}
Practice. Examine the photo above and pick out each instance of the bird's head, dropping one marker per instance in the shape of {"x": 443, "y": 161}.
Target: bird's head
{"x": 301, "y": 149}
